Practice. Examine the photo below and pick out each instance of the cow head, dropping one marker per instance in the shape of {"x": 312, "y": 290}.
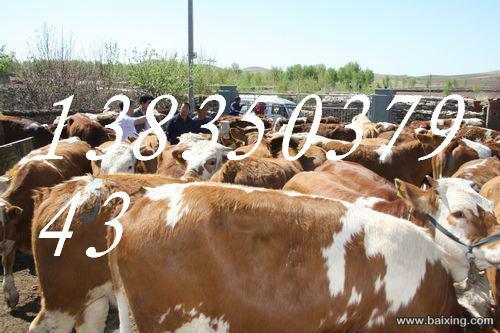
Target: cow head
{"x": 202, "y": 159}
{"x": 123, "y": 160}
{"x": 454, "y": 204}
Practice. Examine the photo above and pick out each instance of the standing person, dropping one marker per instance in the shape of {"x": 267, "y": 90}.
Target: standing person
{"x": 129, "y": 123}
{"x": 260, "y": 109}
{"x": 144, "y": 102}
{"x": 202, "y": 119}
{"x": 235, "y": 107}
{"x": 181, "y": 123}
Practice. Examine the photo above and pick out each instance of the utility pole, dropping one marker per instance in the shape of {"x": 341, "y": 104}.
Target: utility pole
{"x": 191, "y": 55}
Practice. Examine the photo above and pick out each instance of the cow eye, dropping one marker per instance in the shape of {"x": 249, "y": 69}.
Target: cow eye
{"x": 130, "y": 167}
{"x": 458, "y": 214}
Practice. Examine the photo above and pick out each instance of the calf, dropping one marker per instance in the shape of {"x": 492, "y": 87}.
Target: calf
{"x": 87, "y": 130}
{"x": 201, "y": 160}
{"x": 123, "y": 160}
{"x": 256, "y": 265}
{"x": 172, "y": 164}
{"x": 16, "y": 203}
{"x": 77, "y": 294}
{"x": 16, "y": 128}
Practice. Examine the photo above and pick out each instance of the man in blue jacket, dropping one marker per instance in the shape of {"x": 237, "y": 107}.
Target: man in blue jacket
{"x": 181, "y": 123}
{"x": 235, "y": 107}
{"x": 202, "y": 119}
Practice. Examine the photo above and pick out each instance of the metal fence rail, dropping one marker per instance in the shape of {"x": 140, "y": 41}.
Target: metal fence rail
{"x": 12, "y": 152}
{"x": 345, "y": 115}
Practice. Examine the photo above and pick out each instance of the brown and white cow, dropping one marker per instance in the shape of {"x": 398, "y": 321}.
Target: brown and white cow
{"x": 343, "y": 180}
{"x": 88, "y": 130}
{"x": 16, "y": 128}
{"x": 479, "y": 134}
{"x": 16, "y": 203}
{"x": 233, "y": 258}
{"x": 459, "y": 151}
{"x": 122, "y": 158}
{"x": 77, "y": 293}
{"x": 354, "y": 183}
{"x": 201, "y": 160}
{"x": 402, "y": 161}
{"x": 417, "y": 125}
{"x": 369, "y": 128}
{"x": 491, "y": 191}
{"x": 172, "y": 164}
{"x": 479, "y": 172}
{"x": 330, "y": 131}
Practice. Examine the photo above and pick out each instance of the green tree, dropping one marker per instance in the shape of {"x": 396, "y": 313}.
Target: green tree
{"x": 428, "y": 82}
{"x": 386, "y": 82}
{"x": 476, "y": 89}
{"x": 7, "y": 62}
{"x": 450, "y": 86}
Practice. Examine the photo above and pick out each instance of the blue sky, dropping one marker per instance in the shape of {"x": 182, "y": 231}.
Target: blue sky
{"x": 395, "y": 37}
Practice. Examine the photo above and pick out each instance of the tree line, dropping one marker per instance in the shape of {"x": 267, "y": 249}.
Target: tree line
{"x": 52, "y": 71}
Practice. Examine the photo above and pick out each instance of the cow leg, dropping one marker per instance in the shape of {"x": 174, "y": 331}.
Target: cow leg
{"x": 9, "y": 288}
{"x": 93, "y": 318}
{"x": 52, "y": 322}
{"x": 123, "y": 312}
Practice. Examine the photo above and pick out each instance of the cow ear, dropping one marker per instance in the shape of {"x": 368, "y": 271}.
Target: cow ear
{"x": 425, "y": 138}
{"x": 421, "y": 200}
{"x": 13, "y": 213}
{"x": 39, "y": 195}
{"x": 96, "y": 167}
{"x": 177, "y": 154}
{"x": 432, "y": 182}
{"x": 429, "y": 139}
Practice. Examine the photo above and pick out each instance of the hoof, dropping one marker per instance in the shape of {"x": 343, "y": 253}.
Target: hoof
{"x": 12, "y": 299}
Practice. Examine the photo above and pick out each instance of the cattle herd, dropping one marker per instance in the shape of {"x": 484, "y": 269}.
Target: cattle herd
{"x": 262, "y": 244}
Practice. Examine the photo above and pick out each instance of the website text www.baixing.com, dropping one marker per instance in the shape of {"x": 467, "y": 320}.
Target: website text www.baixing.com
{"x": 445, "y": 320}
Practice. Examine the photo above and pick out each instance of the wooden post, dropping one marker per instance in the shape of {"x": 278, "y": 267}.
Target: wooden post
{"x": 493, "y": 114}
